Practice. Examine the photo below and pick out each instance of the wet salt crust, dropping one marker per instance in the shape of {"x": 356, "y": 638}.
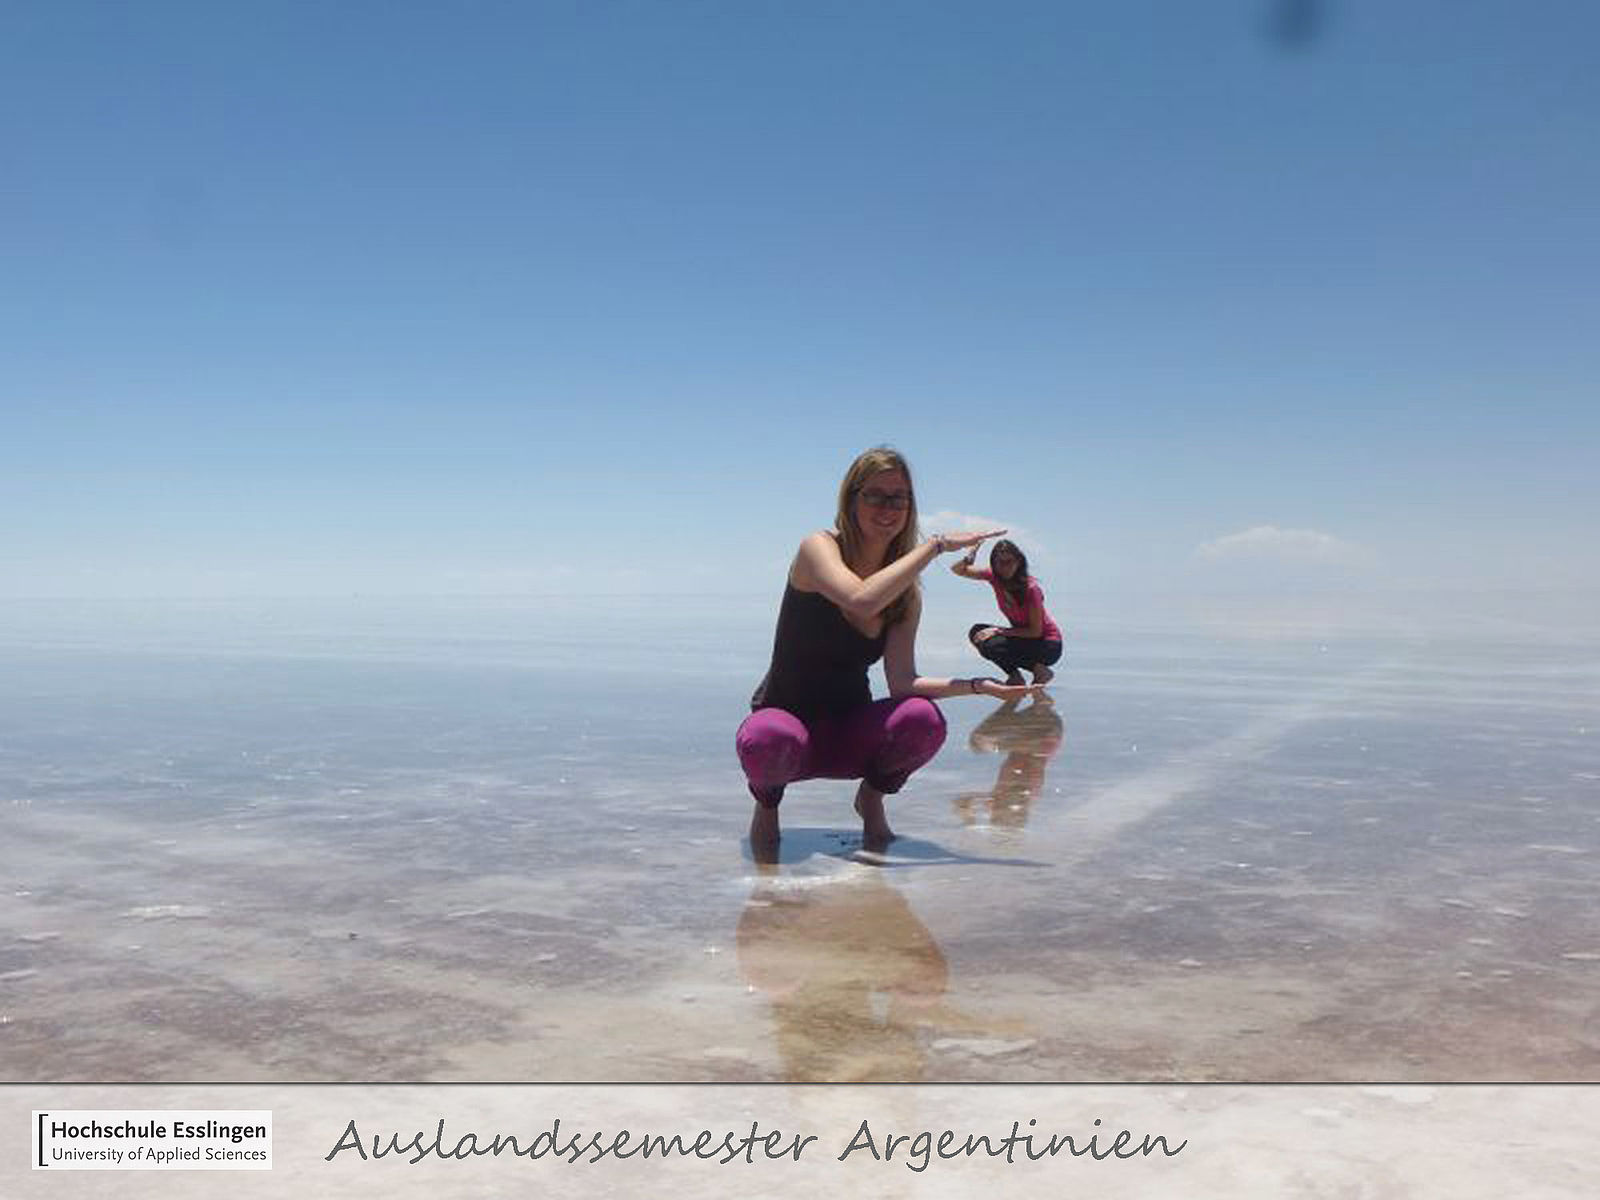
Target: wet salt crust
{"x": 435, "y": 849}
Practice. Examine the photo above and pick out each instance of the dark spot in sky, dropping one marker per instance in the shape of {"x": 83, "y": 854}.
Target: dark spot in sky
{"x": 1295, "y": 24}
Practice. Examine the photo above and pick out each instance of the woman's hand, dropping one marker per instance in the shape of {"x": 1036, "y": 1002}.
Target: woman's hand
{"x": 960, "y": 541}
{"x": 963, "y": 566}
{"x": 983, "y": 635}
{"x": 1008, "y": 691}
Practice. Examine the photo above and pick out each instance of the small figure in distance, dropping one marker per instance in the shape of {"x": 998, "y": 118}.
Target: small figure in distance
{"x": 1031, "y": 640}
{"x": 851, "y": 598}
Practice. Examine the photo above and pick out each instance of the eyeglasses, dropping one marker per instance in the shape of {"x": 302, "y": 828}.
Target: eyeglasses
{"x": 898, "y": 501}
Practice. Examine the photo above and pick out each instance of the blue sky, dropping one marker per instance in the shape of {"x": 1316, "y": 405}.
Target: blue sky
{"x": 414, "y": 298}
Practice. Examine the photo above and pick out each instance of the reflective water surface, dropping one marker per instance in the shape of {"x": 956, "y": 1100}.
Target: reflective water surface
{"x": 257, "y": 845}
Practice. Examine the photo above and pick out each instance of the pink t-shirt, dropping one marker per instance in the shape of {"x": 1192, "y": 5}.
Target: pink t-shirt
{"x": 1017, "y": 614}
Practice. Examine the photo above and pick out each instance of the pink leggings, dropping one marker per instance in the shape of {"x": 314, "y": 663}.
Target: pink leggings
{"x": 881, "y": 743}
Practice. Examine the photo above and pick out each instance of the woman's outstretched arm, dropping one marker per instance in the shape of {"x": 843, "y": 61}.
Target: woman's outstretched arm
{"x": 964, "y": 568}
{"x": 900, "y": 667}
{"x": 820, "y": 567}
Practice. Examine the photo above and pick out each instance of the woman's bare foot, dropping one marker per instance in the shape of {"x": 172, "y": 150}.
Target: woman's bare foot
{"x": 764, "y": 833}
{"x": 875, "y": 832}
{"x": 1014, "y": 678}
{"x": 1043, "y": 674}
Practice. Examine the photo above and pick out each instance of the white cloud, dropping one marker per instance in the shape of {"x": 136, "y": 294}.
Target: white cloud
{"x": 1268, "y": 543}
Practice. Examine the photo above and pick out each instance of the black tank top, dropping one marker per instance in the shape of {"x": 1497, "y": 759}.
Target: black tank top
{"x": 819, "y": 660}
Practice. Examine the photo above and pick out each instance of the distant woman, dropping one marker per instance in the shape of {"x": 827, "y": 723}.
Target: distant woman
{"x": 852, "y": 598}
{"x": 1031, "y": 640}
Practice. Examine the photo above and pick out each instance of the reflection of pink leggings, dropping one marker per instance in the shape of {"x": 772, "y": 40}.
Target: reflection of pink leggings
{"x": 881, "y": 743}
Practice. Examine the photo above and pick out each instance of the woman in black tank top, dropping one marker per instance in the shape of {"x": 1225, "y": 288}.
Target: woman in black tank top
{"x": 851, "y": 599}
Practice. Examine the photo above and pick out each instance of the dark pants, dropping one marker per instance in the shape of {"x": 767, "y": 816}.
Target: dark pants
{"x": 1012, "y": 654}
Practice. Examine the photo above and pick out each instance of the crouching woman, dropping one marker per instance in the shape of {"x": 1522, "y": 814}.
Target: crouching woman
{"x": 852, "y": 598}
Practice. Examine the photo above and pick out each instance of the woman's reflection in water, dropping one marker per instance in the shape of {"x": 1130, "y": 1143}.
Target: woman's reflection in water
{"x": 852, "y": 974}
{"x": 1029, "y": 737}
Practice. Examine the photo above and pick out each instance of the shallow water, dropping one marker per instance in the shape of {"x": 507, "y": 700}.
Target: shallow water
{"x": 479, "y": 842}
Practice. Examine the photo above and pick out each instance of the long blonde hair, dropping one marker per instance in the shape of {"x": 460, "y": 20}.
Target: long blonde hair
{"x": 867, "y": 464}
